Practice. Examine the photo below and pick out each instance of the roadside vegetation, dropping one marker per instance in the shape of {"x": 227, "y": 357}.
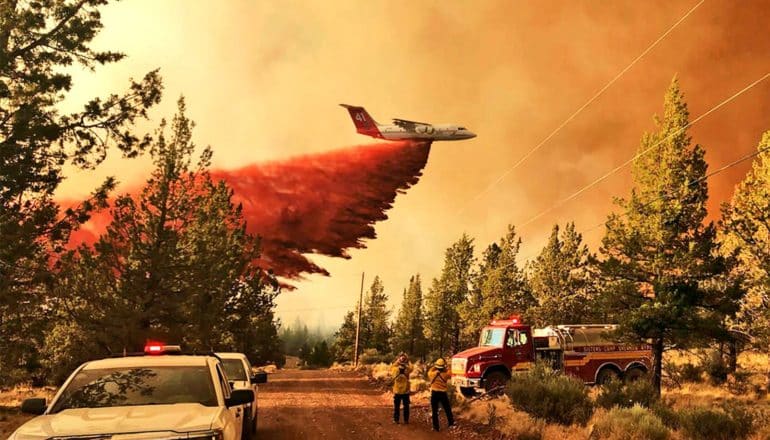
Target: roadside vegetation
{"x": 697, "y": 291}
{"x": 175, "y": 262}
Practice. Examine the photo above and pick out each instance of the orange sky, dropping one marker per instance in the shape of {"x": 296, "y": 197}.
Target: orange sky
{"x": 262, "y": 82}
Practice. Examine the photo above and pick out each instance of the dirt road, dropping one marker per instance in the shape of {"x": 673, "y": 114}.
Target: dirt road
{"x": 318, "y": 404}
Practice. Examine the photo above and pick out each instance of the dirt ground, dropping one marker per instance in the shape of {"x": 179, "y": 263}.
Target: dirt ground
{"x": 318, "y": 404}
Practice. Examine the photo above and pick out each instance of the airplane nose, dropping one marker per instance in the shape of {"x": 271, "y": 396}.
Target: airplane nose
{"x": 471, "y": 135}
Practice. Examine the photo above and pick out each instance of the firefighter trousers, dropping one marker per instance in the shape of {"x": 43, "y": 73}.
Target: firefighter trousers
{"x": 397, "y": 400}
{"x": 440, "y": 398}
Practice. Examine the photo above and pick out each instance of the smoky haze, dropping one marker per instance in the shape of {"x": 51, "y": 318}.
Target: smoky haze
{"x": 263, "y": 79}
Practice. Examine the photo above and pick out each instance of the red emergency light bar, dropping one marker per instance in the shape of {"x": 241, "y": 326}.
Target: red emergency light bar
{"x": 512, "y": 320}
{"x": 154, "y": 348}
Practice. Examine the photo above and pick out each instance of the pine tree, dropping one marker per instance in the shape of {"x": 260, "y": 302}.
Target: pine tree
{"x": 39, "y": 44}
{"x": 345, "y": 338}
{"x": 746, "y": 234}
{"x": 375, "y": 325}
{"x": 503, "y": 287}
{"x": 660, "y": 256}
{"x": 442, "y": 320}
{"x": 560, "y": 280}
{"x": 175, "y": 264}
{"x": 472, "y": 309}
{"x": 408, "y": 330}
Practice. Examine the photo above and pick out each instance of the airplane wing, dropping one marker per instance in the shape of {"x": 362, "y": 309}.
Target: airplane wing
{"x": 403, "y": 123}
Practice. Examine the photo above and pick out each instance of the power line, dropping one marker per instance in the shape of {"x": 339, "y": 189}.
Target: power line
{"x": 694, "y": 182}
{"x": 604, "y": 177}
{"x": 580, "y": 109}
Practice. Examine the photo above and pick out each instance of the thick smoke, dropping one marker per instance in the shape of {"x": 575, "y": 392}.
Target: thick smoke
{"x": 323, "y": 203}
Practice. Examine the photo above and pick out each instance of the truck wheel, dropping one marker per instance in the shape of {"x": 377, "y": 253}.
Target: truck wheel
{"x": 468, "y": 391}
{"x": 606, "y": 375}
{"x": 494, "y": 381}
{"x": 634, "y": 374}
{"x": 246, "y": 431}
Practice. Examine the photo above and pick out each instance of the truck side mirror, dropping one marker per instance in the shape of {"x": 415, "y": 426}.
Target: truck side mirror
{"x": 239, "y": 397}
{"x": 34, "y": 406}
{"x": 260, "y": 377}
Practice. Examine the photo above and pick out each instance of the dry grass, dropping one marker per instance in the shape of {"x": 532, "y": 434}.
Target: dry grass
{"x": 10, "y": 400}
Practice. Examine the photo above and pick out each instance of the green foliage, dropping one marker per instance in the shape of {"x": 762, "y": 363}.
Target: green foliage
{"x": 344, "y": 339}
{"x": 409, "y": 328}
{"x": 560, "y": 280}
{"x": 39, "y": 43}
{"x": 292, "y": 337}
{"x": 716, "y": 368}
{"x": 176, "y": 264}
{"x": 625, "y": 395}
{"x": 686, "y": 372}
{"x": 729, "y": 422}
{"x": 319, "y": 356}
{"x": 499, "y": 289}
{"x": 668, "y": 283}
{"x": 746, "y": 236}
{"x": 634, "y": 423}
{"x": 551, "y": 396}
{"x": 373, "y": 356}
{"x": 666, "y": 414}
{"x": 375, "y": 320}
{"x": 442, "y": 320}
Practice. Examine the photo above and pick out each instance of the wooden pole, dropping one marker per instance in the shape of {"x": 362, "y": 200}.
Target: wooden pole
{"x": 358, "y": 321}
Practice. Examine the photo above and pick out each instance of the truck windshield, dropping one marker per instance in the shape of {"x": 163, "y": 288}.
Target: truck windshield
{"x": 234, "y": 369}
{"x": 109, "y": 387}
{"x": 492, "y": 337}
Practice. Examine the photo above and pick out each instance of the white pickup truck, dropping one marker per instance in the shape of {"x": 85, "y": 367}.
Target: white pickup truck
{"x": 160, "y": 395}
{"x": 238, "y": 370}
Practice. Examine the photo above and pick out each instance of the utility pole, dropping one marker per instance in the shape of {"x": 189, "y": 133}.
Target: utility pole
{"x": 358, "y": 321}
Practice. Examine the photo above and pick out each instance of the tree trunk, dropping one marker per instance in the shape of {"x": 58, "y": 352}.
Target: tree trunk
{"x": 657, "y": 364}
{"x": 732, "y": 355}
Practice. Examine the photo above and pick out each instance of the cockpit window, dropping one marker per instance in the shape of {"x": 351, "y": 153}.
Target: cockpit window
{"x": 461, "y": 128}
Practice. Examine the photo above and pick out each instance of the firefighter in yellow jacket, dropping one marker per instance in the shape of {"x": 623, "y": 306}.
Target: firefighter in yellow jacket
{"x": 438, "y": 376}
{"x": 400, "y": 370}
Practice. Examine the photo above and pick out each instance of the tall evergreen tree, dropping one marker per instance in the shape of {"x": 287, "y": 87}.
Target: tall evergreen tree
{"x": 472, "y": 309}
{"x": 345, "y": 339}
{"x": 176, "y": 262}
{"x": 504, "y": 289}
{"x": 560, "y": 280}
{"x": 660, "y": 256}
{"x": 408, "y": 330}
{"x": 746, "y": 233}
{"x": 39, "y": 42}
{"x": 442, "y": 320}
{"x": 375, "y": 321}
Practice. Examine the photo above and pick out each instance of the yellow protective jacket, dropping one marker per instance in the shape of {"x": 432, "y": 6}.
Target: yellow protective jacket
{"x": 438, "y": 379}
{"x": 400, "y": 380}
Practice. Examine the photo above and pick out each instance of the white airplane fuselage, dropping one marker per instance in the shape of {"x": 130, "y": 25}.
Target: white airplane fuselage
{"x": 404, "y": 130}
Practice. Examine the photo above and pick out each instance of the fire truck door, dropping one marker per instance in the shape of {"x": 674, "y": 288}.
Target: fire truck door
{"x": 519, "y": 342}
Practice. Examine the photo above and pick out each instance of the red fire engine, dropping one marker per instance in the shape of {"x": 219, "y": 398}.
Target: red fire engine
{"x": 582, "y": 351}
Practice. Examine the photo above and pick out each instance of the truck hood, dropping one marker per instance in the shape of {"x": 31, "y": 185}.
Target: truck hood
{"x": 477, "y": 352}
{"x": 183, "y": 417}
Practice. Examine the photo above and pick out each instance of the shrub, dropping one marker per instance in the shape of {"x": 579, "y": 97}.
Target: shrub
{"x": 625, "y": 395}
{"x": 716, "y": 368}
{"x": 666, "y": 414}
{"x": 372, "y": 356}
{"x": 548, "y": 395}
{"x": 730, "y": 422}
{"x": 634, "y": 423}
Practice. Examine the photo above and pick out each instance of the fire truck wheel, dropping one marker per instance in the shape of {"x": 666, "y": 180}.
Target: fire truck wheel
{"x": 494, "y": 381}
{"x": 634, "y": 374}
{"x": 468, "y": 391}
{"x": 606, "y": 375}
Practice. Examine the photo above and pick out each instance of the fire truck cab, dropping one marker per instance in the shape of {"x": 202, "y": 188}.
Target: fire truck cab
{"x": 583, "y": 351}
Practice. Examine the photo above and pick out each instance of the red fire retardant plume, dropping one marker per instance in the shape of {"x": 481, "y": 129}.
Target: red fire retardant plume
{"x": 324, "y": 203}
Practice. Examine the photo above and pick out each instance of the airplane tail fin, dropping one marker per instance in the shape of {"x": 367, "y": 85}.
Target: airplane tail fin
{"x": 364, "y": 123}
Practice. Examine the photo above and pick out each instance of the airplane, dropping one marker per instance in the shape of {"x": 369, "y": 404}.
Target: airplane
{"x": 404, "y": 130}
